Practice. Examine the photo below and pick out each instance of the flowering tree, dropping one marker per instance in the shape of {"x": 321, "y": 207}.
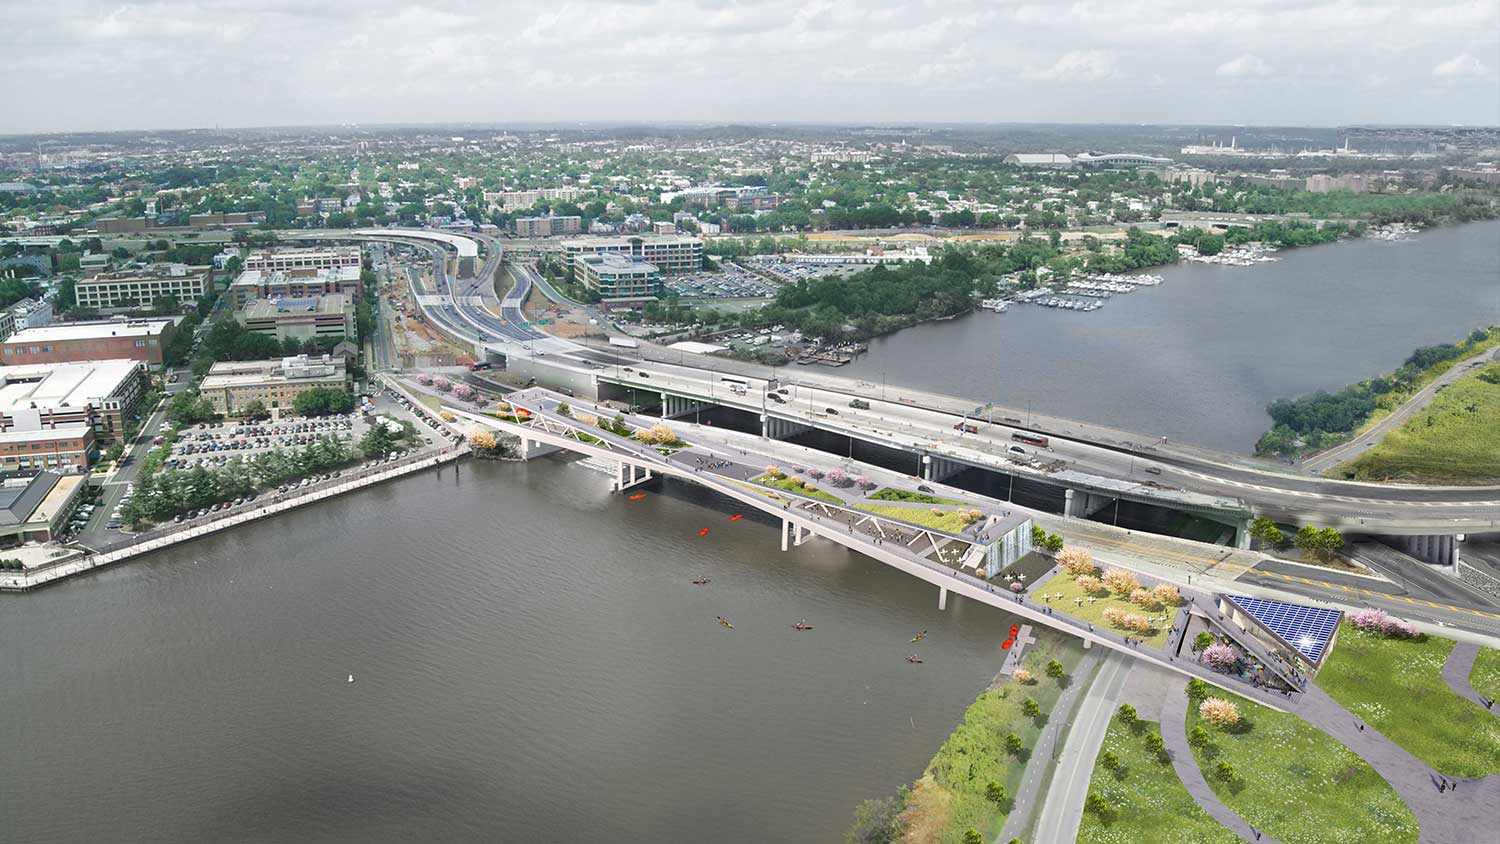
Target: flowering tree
{"x": 1022, "y": 676}
{"x": 864, "y": 483}
{"x": 1380, "y": 623}
{"x": 1217, "y": 710}
{"x": 1076, "y": 561}
{"x": 839, "y": 478}
{"x": 815, "y": 474}
{"x": 464, "y": 391}
{"x": 1017, "y": 587}
{"x": 424, "y": 379}
{"x": 775, "y": 473}
{"x": 661, "y": 435}
{"x": 1167, "y": 595}
{"x": 442, "y": 383}
{"x": 1121, "y": 581}
{"x": 1220, "y": 657}
{"x": 1089, "y": 584}
{"x": 797, "y": 470}
{"x": 1144, "y": 599}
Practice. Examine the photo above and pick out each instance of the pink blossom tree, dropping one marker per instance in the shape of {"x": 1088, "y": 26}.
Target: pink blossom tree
{"x": 1220, "y": 657}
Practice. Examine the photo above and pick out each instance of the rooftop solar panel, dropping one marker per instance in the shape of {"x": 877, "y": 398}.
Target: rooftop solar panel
{"x": 1308, "y": 629}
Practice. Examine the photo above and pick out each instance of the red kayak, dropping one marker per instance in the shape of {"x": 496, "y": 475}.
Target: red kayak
{"x": 638, "y": 496}
{"x": 703, "y": 532}
{"x": 914, "y": 660}
{"x": 736, "y": 517}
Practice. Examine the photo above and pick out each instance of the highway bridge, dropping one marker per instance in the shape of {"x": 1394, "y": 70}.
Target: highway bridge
{"x": 1057, "y": 465}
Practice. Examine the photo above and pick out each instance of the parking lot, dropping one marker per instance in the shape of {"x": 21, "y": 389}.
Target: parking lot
{"x": 790, "y": 272}
{"x": 732, "y": 281}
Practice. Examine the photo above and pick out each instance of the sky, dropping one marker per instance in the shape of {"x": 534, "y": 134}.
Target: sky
{"x": 72, "y": 65}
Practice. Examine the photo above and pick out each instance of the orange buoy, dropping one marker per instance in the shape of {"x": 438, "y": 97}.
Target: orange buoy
{"x": 638, "y": 496}
{"x": 1005, "y": 645}
{"x": 1015, "y": 630}
{"x": 703, "y": 532}
{"x": 736, "y": 517}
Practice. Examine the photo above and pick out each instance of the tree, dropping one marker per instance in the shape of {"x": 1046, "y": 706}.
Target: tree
{"x": 563, "y": 409}
{"x": 972, "y": 836}
{"x": 256, "y": 409}
{"x": 1225, "y": 772}
{"x": 1038, "y": 536}
{"x": 1013, "y": 744}
{"x": 995, "y": 793}
{"x": 1266, "y": 531}
{"x": 1127, "y": 715}
{"x": 1156, "y": 745}
{"x": 1199, "y": 738}
{"x": 1196, "y": 689}
{"x": 1031, "y": 708}
{"x": 323, "y": 401}
{"x": 1055, "y": 670}
{"x": 1202, "y": 640}
{"x": 876, "y": 821}
{"x": 1054, "y": 542}
{"x": 1110, "y": 760}
{"x": 1095, "y": 804}
{"x": 189, "y": 408}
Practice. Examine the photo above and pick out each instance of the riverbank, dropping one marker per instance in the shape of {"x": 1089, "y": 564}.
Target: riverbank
{"x": 36, "y": 577}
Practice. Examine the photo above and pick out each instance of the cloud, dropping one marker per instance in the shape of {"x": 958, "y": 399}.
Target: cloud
{"x": 1461, "y": 65}
{"x": 1245, "y": 65}
{"x": 1076, "y": 65}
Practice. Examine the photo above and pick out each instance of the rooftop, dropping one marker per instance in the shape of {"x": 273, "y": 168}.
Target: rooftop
{"x": 330, "y": 303}
{"x": 1308, "y": 629}
{"x": 21, "y": 497}
{"x": 53, "y": 385}
{"x": 89, "y": 331}
{"x": 247, "y": 372}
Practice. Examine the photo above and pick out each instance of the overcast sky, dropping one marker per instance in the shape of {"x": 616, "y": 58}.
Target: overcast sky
{"x": 112, "y": 64}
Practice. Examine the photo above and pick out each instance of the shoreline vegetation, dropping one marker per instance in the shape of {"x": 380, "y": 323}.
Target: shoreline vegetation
{"x": 1322, "y": 420}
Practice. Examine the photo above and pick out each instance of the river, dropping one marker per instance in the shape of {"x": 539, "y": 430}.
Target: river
{"x": 1199, "y": 357}
{"x": 531, "y": 663}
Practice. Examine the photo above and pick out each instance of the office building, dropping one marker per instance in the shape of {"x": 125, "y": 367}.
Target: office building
{"x": 301, "y": 318}
{"x": 670, "y": 254}
{"x": 69, "y": 448}
{"x": 611, "y": 275}
{"x": 314, "y": 258}
{"x": 547, "y": 226}
{"x": 231, "y": 386}
{"x": 143, "y": 340}
{"x": 517, "y": 200}
{"x": 101, "y": 393}
{"x": 35, "y": 509}
{"x": 298, "y": 283}
{"x": 140, "y": 288}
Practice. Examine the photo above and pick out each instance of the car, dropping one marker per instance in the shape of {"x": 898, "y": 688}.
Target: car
{"x": 924, "y": 488}
{"x": 1015, "y": 449}
{"x": 830, "y": 411}
{"x": 1153, "y": 470}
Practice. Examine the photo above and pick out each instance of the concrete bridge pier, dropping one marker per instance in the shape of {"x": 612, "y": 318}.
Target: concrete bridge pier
{"x": 535, "y": 448}
{"x": 1440, "y": 549}
{"x": 626, "y": 476}
{"x": 935, "y": 468}
{"x": 1081, "y": 504}
{"x": 779, "y": 429}
{"x": 785, "y": 529}
{"x": 942, "y": 597}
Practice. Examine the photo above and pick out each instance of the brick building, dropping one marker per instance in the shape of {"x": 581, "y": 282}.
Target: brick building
{"x": 142, "y": 340}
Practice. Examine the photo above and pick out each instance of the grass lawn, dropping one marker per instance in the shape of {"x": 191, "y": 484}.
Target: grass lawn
{"x": 1485, "y": 678}
{"x": 950, "y": 796}
{"x": 791, "y": 484}
{"x": 1397, "y": 686}
{"x": 893, "y": 494}
{"x": 1147, "y": 801}
{"x": 947, "y": 520}
{"x": 1094, "y": 612}
{"x": 1298, "y": 784}
{"x": 1447, "y": 442}
{"x": 429, "y": 401}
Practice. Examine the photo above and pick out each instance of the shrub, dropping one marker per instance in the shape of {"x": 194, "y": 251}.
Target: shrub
{"x": 1380, "y": 623}
{"x": 1220, "y": 657}
{"x": 1090, "y": 585}
{"x": 1197, "y": 689}
{"x": 1121, "y": 581}
{"x": 1127, "y": 714}
{"x": 972, "y": 836}
{"x": 775, "y": 473}
{"x": 1224, "y": 771}
{"x": 1199, "y": 738}
{"x": 1012, "y": 744}
{"x": 1167, "y": 595}
{"x": 815, "y": 474}
{"x": 1110, "y": 760}
{"x": 1114, "y": 615}
{"x": 1202, "y": 640}
{"x": 1054, "y": 543}
{"x": 1022, "y": 676}
{"x": 1144, "y": 599}
{"x": 564, "y": 409}
{"x": 995, "y": 793}
{"x": 1220, "y": 712}
{"x": 661, "y": 435}
{"x": 1054, "y": 669}
{"x": 587, "y": 419}
{"x": 1017, "y": 587}
{"x": 1031, "y": 708}
{"x": 1076, "y": 562}
{"x": 1095, "y": 804}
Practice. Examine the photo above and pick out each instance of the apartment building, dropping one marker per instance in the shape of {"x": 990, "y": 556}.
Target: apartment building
{"x": 313, "y": 258}
{"x": 670, "y": 253}
{"x": 301, "y": 318}
{"x": 232, "y": 385}
{"x": 143, "y": 340}
{"x": 547, "y": 226}
{"x": 99, "y": 393}
{"x": 131, "y": 288}
{"x": 517, "y": 200}
{"x": 299, "y": 283}
{"x": 613, "y": 275}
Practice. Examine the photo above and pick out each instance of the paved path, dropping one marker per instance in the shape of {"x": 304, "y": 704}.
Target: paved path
{"x": 1017, "y": 650}
{"x": 1456, "y": 673}
{"x": 1445, "y": 818}
{"x": 1325, "y": 460}
{"x": 1063, "y": 810}
{"x": 1025, "y": 800}
{"x": 1174, "y": 736}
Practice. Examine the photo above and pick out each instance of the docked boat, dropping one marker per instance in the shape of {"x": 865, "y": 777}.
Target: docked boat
{"x": 999, "y": 306}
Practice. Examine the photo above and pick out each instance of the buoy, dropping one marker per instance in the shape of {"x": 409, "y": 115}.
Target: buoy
{"x": 736, "y": 517}
{"x": 1005, "y": 645}
{"x": 1014, "y": 631}
{"x": 638, "y": 496}
{"x": 703, "y": 532}
{"x": 351, "y": 678}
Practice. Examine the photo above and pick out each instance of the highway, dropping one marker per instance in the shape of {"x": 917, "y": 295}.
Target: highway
{"x": 1096, "y": 456}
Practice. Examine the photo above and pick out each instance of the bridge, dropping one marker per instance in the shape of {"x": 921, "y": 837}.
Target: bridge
{"x": 1080, "y": 469}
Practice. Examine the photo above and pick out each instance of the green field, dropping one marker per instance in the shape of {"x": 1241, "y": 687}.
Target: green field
{"x": 1396, "y": 686}
{"x": 1296, "y": 783}
{"x": 1064, "y": 583}
{"x": 946, "y": 520}
{"x": 1455, "y": 439}
{"x": 890, "y": 493}
{"x": 950, "y": 797}
{"x": 1485, "y": 678}
{"x": 791, "y": 484}
{"x": 1147, "y": 801}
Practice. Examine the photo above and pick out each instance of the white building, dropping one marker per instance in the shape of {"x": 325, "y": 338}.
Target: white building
{"x": 141, "y": 287}
{"x": 315, "y": 258}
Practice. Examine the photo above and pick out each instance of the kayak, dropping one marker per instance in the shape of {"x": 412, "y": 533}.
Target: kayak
{"x": 701, "y": 581}
{"x": 703, "y": 532}
{"x": 920, "y": 636}
{"x": 802, "y": 626}
{"x": 638, "y": 496}
{"x": 736, "y": 517}
{"x": 725, "y": 622}
{"x": 914, "y": 660}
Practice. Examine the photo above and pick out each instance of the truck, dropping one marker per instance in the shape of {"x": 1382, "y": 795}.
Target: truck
{"x": 623, "y": 343}
{"x": 966, "y": 428}
{"x": 480, "y": 364}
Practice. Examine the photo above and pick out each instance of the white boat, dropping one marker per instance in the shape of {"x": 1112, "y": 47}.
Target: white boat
{"x": 996, "y": 305}
{"x": 351, "y": 678}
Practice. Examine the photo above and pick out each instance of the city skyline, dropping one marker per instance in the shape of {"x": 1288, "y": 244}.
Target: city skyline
{"x": 172, "y": 66}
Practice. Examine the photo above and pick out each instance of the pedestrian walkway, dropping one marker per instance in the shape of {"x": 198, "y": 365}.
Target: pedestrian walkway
{"x": 1174, "y": 736}
{"x": 1017, "y": 648}
{"x": 1456, "y": 673}
{"x": 1026, "y": 798}
{"x": 1063, "y": 810}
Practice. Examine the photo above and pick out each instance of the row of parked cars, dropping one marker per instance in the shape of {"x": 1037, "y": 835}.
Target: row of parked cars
{"x": 423, "y": 416}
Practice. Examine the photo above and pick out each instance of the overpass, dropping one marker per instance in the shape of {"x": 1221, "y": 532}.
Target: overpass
{"x": 1080, "y": 469}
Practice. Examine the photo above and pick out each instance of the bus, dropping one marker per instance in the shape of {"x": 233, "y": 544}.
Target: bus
{"x": 1029, "y": 439}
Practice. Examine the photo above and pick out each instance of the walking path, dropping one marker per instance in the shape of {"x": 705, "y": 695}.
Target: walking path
{"x": 1444, "y": 817}
{"x": 1174, "y": 736}
{"x": 1063, "y": 810}
{"x": 1017, "y": 648}
{"x": 1457, "y": 669}
{"x": 1026, "y": 798}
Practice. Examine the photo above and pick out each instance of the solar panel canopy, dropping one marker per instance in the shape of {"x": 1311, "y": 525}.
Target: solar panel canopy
{"x": 1308, "y": 629}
